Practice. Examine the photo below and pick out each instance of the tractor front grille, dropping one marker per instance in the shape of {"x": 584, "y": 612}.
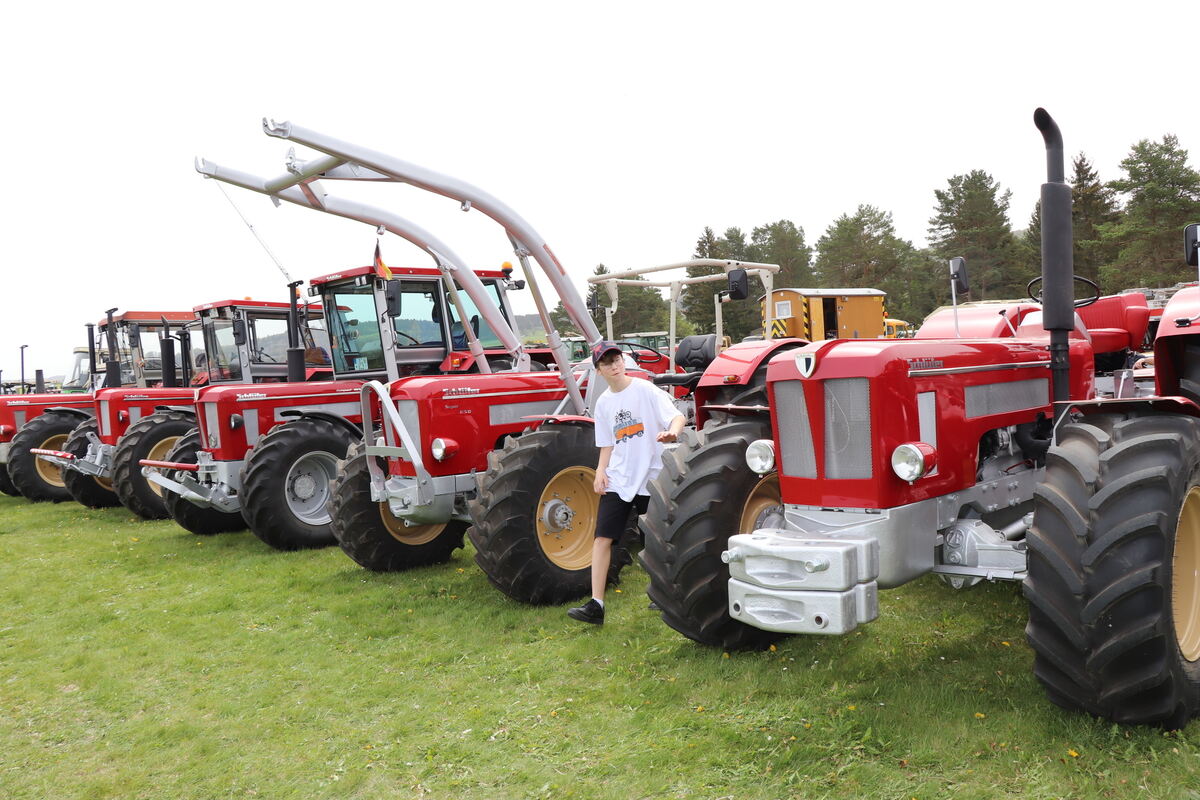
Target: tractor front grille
{"x": 846, "y": 427}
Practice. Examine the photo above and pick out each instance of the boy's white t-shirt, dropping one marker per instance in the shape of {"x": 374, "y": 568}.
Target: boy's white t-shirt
{"x": 629, "y": 422}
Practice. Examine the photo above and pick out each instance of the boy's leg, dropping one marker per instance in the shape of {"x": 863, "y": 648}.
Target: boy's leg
{"x": 601, "y": 558}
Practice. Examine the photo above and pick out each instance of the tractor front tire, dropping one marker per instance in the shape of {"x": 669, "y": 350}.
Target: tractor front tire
{"x": 6, "y": 484}
{"x": 199, "y": 520}
{"x": 1114, "y": 569}
{"x": 35, "y": 479}
{"x": 286, "y": 480}
{"x": 88, "y": 490}
{"x": 705, "y": 494}
{"x": 533, "y": 518}
{"x": 150, "y": 437}
{"x": 372, "y": 536}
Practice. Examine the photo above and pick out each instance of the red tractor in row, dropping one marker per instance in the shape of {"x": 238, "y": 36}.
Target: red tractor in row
{"x": 993, "y": 457}
{"x": 244, "y": 341}
{"x": 44, "y": 422}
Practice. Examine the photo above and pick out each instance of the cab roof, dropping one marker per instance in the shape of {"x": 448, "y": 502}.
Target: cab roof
{"x": 247, "y": 303}
{"x": 151, "y": 317}
{"x": 397, "y": 272}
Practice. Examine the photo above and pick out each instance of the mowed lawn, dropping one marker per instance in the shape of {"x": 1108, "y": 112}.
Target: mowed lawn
{"x": 140, "y": 661}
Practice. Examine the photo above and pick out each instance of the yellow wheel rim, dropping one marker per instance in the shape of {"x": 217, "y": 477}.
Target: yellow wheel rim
{"x": 566, "y": 518}
{"x": 1185, "y": 577}
{"x": 158, "y": 453}
{"x": 764, "y": 498}
{"x": 48, "y": 472}
{"x": 411, "y": 535}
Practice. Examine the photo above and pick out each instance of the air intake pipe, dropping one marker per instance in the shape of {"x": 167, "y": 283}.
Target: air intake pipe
{"x": 1058, "y": 269}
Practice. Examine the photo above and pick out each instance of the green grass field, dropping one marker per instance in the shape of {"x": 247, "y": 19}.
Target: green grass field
{"x": 140, "y": 661}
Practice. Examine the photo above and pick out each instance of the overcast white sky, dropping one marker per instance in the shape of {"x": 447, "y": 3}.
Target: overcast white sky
{"x": 618, "y": 130}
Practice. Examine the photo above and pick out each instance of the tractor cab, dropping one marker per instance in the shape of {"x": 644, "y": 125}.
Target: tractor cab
{"x": 246, "y": 341}
{"x": 137, "y": 337}
{"x": 385, "y": 324}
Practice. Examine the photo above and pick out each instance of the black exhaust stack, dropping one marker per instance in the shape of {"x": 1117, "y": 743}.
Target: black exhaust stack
{"x": 295, "y": 353}
{"x": 166, "y": 349}
{"x": 112, "y": 366}
{"x": 1058, "y": 268}
{"x": 91, "y": 329}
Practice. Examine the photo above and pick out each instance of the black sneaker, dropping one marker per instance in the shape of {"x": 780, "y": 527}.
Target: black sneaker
{"x": 591, "y": 611}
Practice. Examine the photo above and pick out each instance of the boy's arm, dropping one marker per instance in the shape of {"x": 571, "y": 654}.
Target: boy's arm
{"x": 673, "y": 430}
{"x": 601, "y": 482}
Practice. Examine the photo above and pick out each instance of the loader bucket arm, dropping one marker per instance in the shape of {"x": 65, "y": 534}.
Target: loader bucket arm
{"x": 286, "y": 188}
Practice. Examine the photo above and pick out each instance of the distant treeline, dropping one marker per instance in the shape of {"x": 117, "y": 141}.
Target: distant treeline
{"x": 1127, "y": 231}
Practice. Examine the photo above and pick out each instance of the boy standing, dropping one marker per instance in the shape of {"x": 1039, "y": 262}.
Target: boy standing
{"x": 633, "y": 420}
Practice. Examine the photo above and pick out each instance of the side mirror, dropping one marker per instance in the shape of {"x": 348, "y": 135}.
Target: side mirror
{"x": 1191, "y": 244}
{"x": 393, "y": 296}
{"x": 593, "y": 302}
{"x": 239, "y": 332}
{"x": 739, "y": 284}
{"x": 958, "y": 275}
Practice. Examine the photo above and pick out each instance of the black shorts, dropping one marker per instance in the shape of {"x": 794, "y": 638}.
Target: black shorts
{"x": 617, "y": 516}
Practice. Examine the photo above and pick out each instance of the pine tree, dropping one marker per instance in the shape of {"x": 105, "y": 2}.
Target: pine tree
{"x": 1093, "y": 206}
{"x": 971, "y": 220}
{"x": 1162, "y": 196}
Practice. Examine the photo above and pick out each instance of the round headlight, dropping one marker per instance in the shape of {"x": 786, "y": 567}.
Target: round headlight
{"x": 443, "y": 448}
{"x": 760, "y": 456}
{"x": 913, "y": 460}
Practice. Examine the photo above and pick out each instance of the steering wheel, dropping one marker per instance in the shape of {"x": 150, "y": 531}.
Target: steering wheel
{"x": 1080, "y": 303}
{"x": 265, "y": 357}
{"x": 408, "y": 336}
{"x": 640, "y": 358}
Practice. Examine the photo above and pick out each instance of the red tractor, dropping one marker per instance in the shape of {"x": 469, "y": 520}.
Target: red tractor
{"x": 244, "y": 341}
{"x": 43, "y": 422}
{"x": 990, "y": 458}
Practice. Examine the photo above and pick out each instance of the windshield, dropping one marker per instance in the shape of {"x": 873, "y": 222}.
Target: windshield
{"x": 354, "y": 330}
{"x": 487, "y": 337}
{"x": 77, "y": 376}
{"x": 269, "y": 340}
{"x": 220, "y": 359}
{"x": 420, "y": 320}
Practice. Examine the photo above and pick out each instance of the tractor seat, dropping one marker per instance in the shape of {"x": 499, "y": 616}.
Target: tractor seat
{"x": 686, "y": 379}
{"x": 695, "y": 353}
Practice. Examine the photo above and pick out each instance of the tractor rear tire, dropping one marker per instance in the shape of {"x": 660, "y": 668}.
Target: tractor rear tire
{"x": 88, "y": 490}
{"x": 35, "y": 479}
{"x": 534, "y": 516}
{"x": 372, "y": 536}
{"x": 286, "y": 480}
{"x": 1114, "y": 569}
{"x": 6, "y": 484}
{"x": 150, "y": 437}
{"x": 191, "y": 517}
{"x": 705, "y": 494}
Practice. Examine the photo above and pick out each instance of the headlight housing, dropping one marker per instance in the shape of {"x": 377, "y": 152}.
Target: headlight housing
{"x": 760, "y": 456}
{"x": 443, "y": 448}
{"x": 913, "y": 460}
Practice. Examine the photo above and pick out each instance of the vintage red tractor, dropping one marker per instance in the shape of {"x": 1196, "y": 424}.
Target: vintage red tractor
{"x": 990, "y": 458}
{"x": 44, "y": 422}
{"x": 244, "y": 341}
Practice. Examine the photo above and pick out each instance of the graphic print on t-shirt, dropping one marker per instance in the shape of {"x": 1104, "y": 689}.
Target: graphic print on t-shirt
{"x": 626, "y": 427}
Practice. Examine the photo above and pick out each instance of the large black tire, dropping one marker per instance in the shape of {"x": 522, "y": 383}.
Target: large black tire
{"x": 191, "y": 517}
{"x": 705, "y": 494}
{"x": 1114, "y": 569}
{"x": 371, "y": 535}
{"x": 286, "y": 482}
{"x": 533, "y": 518}
{"x": 35, "y": 479}
{"x": 87, "y": 490}
{"x": 150, "y": 437}
{"x": 6, "y": 484}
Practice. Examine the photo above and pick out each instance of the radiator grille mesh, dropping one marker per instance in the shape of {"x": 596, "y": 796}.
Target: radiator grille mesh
{"x": 1000, "y": 398}
{"x": 798, "y": 458}
{"x": 847, "y": 428}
